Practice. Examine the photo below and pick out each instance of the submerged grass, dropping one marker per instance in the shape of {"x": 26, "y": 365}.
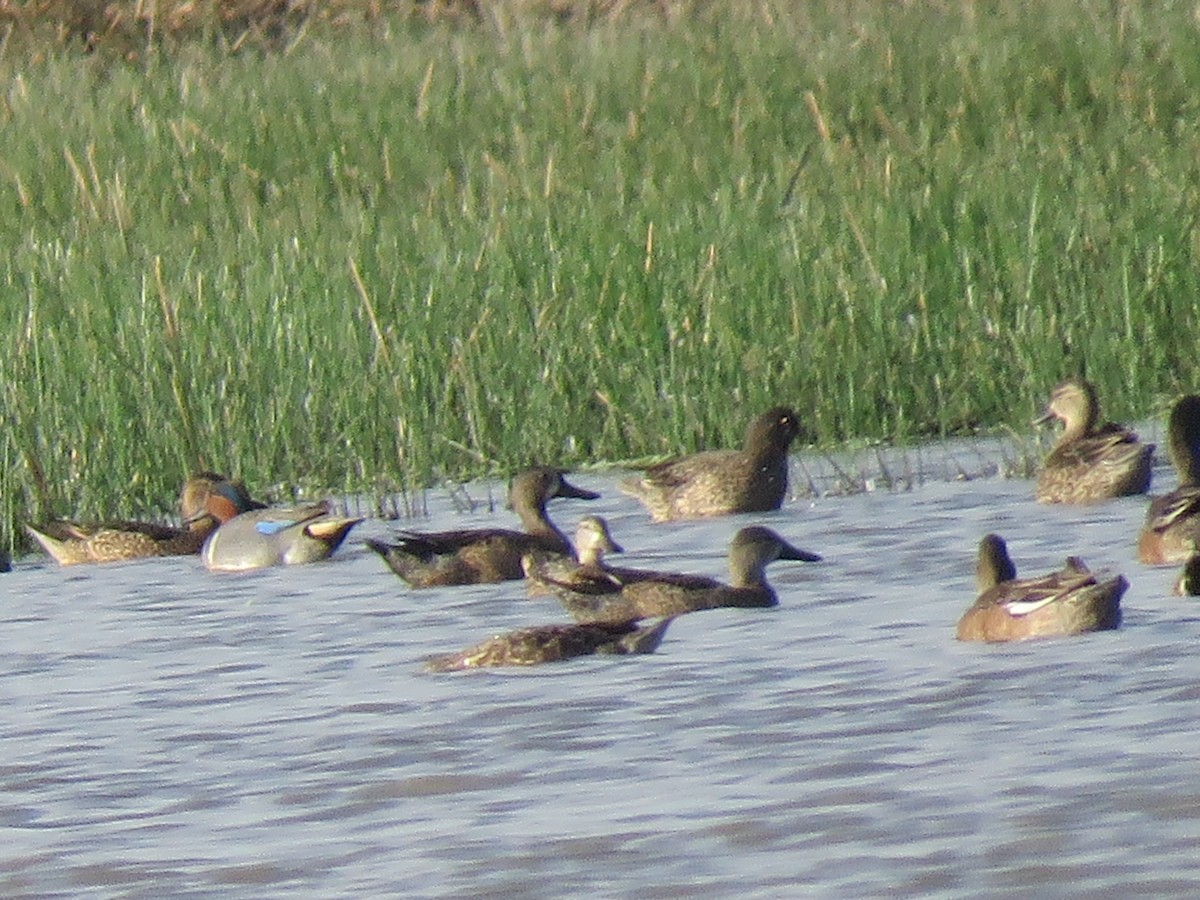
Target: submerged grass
{"x": 397, "y": 251}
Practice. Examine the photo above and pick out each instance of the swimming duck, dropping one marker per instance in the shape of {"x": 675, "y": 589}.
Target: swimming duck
{"x": 589, "y": 573}
{"x": 206, "y": 500}
{"x": 1071, "y": 601}
{"x": 722, "y": 482}
{"x": 624, "y": 595}
{"x": 1188, "y": 582}
{"x": 275, "y": 537}
{"x": 1172, "y": 526}
{"x": 485, "y": 555}
{"x": 550, "y": 643}
{"x": 592, "y": 540}
{"x": 1089, "y": 463}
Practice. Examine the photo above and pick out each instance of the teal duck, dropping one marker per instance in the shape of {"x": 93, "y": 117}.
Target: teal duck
{"x": 276, "y": 537}
{"x": 1172, "y": 526}
{"x": 206, "y": 500}
{"x": 589, "y": 572}
{"x": 1089, "y": 463}
{"x": 1072, "y": 601}
{"x": 551, "y": 643}
{"x": 723, "y": 482}
{"x": 621, "y": 595}
{"x": 592, "y": 540}
{"x": 485, "y": 555}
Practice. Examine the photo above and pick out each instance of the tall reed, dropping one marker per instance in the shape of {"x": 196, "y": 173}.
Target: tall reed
{"x": 399, "y": 251}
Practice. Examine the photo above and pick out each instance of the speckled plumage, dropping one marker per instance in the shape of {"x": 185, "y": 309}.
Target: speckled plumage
{"x": 1187, "y": 584}
{"x": 723, "y": 482}
{"x": 206, "y": 500}
{"x": 618, "y": 595}
{"x": 1072, "y": 601}
{"x": 1172, "y": 527}
{"x": 485, "y": 555}
{"x": 592, "y": 540}
{"x": 551, "y": 643}
{"x": 1089, "y": 464}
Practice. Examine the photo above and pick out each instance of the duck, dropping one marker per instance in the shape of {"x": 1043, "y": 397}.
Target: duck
{"x": 1071, "y": 601}
{"x": 1187, "y": 583}
{"x": 626, "y": 595}
{"x": 485, "y": 555}
{"x": 588, "y": 572}
{"x": 552, "y": 643}
{"x": 276, "y": 536}
{"x": 592, "y": 540}
{"x": 205, "y": 501}
{"x": 722, "y": 482}
{"x": 1089, "y": 464}
{"x": 1172, "y": 526}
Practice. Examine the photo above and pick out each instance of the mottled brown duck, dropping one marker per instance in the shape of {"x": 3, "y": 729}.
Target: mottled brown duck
{"x": 485, "y": 555}
{"x": 1089, "y": 462}
{"x": 1071, "y": 601}
{"x": 551, "y": 643}
{"x": 206, "y": 500}
{"x": 622, "y": 595}
{"x": 1172, "y": 527}
{"x": 592, "y": 540}
{"x": 723, "y": 482}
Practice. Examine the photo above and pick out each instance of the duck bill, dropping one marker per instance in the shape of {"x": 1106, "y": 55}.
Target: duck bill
{"x": 566, "y": 489}
{"x": 787, "y": 551}
{"x": 1045, "y": 417}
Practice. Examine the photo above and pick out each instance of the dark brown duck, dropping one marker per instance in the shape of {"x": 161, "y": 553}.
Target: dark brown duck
{"x": 485, "y": 555}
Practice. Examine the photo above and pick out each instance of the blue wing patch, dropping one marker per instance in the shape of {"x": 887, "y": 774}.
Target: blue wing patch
{"x": 272, "y": 528}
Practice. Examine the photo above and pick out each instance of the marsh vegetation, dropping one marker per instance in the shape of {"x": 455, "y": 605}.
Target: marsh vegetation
{"x": 365, "y": 246}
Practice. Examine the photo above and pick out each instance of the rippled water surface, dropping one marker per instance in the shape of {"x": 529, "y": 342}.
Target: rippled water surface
{"x": 173, "y": 732}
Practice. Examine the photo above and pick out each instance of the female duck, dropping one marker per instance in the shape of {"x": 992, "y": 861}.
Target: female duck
{"x": 1172, "y": 527}
{"x": 551, "y": 643}
{"x": 624, "y": 595}
{"x": 1089, "y": 463}
{"x": 485, "y": 555}
{"x": 723, "y": 482}
{"x": 592, "y": 540}
{"x": 206, "y": 500}
{"x": 1072, "y": 601}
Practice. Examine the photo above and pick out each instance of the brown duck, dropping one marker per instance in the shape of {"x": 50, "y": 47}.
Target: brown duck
{"x": 722, "y": 482}
{"x": 206, "y": 500}
{"x": 544, "y": 568}
{"x": 1089, "y": 463}
{"x": 589, "y": 573}
{"x": 1187, "y": 584}
{"x": 551, "y": 643}
{"x": 1172, "y": 527}
{"x": 485, "y": 555}
{"x": 1072, "y": 601}
{"x": 621, "y": 595}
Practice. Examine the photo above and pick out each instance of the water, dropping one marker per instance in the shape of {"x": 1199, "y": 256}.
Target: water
{"x": 171, "y": 732}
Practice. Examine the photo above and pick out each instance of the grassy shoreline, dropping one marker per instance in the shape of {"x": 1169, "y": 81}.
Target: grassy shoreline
{"x": 400, "y": 251}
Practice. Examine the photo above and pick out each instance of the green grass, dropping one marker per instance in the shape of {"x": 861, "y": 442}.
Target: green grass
{"x": 403, "y": 251}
